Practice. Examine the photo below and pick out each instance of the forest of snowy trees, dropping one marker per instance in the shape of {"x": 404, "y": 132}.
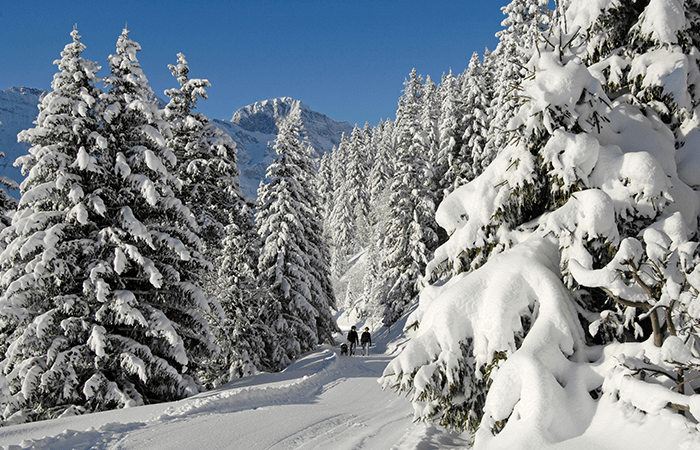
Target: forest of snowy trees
{"x": 569, "y": 277}
{"x": 133, "y": 269}
{"x": 537, "y": 216}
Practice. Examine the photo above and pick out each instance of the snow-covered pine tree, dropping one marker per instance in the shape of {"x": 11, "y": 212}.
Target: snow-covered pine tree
{"x": 341, "y": 223}
{"x": 84, "y": 278}
{"x": 324, "y": 185}
{"x": 154, "y": 238}
{"x": 318, "y": 251}
{"x": 382, "y": 169}
{"x": 285, "y": 210}
{"x": 449, "y": 131}
{"x": 206, "y": 158}
{"x": 370, "y": 143}
{"x": 244, "y": 336}
{"x": 410, "y": 226}
{"x": 380, "y": 176}
{"x": 430, "y": 135}
{"x": 207, "y": 168}
{"x": 358, "y": 165}
{"x": 367, "y": 132}
{"x": 578, "y": 227}
{"x": 44, "y": 251}
{"x": 101, "y": 258}
{"x": 476, "y": 99}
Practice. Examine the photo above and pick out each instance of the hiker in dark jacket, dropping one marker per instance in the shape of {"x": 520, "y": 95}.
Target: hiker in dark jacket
{"x": 352, "y": 339}
{"x": 366, "y": 341}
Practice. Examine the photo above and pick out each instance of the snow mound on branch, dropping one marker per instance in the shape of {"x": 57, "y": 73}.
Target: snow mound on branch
{"x": 662, "y": 20}
{"x": 515, "y": 282}
{"x": 466, "y": 213}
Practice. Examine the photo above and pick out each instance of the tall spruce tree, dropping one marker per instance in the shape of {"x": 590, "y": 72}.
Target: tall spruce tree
{"x": 243, "y": 334}
{"x": 449, "y": 132}
{"x": 341, "y": 220}
{"x": 207, "y": 168}
{"x": 356, "y": 186}
{"x": 476, "y": 99}
{"x": 156, "y": 231}
{"x": 112, "y": 315}
{"x": 410, "y": 226}
{"x": 324, "y": 185}
{"x": 207, "y": 162}
{"x": 45, "y": 367}
{"x": 318, "y": 251}
{"x": 436, "y": 167}
{"x": 380, "y": 176}
{"x": 290, "y": 264}
{"x": 382, "y": 169}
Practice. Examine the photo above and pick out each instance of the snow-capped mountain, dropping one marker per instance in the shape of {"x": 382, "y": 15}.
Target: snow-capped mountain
{"x": 254, "y": 128}
{"x": 18, "y": 109}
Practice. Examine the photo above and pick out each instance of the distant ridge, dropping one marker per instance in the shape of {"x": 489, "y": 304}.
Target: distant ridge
{"x": 264, "y": 117}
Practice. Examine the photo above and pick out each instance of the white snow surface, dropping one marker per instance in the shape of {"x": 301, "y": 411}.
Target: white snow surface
{"x": 322, "y": 401}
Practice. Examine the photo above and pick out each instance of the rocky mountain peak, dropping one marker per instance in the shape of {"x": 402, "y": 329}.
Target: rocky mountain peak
{"x": 255, "y": 127}
{"x": 265, "y": 116}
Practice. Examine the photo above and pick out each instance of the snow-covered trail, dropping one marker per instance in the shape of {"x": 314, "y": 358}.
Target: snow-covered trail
{"x": 331, "y": 403}
{"x": 322, "y": 401}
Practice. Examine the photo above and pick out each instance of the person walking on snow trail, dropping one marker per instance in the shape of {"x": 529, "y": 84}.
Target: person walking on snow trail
{"x": 352, "y": 339}
{"x": 366, "y": 341}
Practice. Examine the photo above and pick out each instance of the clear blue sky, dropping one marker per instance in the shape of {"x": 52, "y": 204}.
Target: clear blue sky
{"x": 346, "y": 59}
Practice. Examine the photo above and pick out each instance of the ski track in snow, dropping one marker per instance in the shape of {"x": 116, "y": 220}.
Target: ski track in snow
{"x": 322, "y": 401}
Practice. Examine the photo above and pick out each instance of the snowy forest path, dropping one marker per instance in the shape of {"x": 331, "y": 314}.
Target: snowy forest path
{"x": 322, "y": 401}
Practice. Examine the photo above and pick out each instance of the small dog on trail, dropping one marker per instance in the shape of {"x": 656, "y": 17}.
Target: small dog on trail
{"x": 343, "y": 349}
